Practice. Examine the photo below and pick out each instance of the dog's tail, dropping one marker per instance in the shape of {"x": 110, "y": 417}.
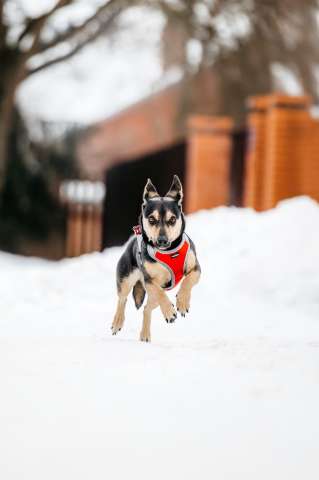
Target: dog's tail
{"x": 138, "y": 294}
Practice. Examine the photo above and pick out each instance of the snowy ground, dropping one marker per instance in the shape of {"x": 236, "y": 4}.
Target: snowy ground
{"x": 230, "y": 392}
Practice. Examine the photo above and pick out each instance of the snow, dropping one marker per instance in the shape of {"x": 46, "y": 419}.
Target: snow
{"x": 34, "y": 8}
{"x": 284, "y": 79}
{"x": 230, "y": 392}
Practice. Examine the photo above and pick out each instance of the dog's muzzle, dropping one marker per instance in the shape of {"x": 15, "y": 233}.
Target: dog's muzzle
{"x": 162, "y": 242}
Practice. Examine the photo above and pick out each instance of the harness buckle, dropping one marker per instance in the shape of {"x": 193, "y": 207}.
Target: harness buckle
{"x": 137, "y": 229}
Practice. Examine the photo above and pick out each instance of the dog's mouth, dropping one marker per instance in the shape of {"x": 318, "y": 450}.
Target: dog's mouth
{"x": 163, "y": 245}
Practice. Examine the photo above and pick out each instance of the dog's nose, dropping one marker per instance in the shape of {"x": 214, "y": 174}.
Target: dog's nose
{"x": 162, "y": 241}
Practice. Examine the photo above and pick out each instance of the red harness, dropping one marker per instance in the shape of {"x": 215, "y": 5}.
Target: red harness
{"x": 173, "y": 260}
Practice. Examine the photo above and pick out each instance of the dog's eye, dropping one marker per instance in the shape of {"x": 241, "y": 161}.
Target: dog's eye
{"x": 152, "y": 220}
{"x": 172, "y": 221}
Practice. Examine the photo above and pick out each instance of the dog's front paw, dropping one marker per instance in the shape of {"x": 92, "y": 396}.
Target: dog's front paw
{"x": 145, "y": 336}
{"x": 169, "y": 312}
{"x": 117, "y": 323}
{"x": 183, "y": 302}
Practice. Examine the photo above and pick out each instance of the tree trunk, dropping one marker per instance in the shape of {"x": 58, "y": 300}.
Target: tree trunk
{"x": 9, "y": 82}
{"x": 243, "y": 73}
{"x": 6, "y": 117}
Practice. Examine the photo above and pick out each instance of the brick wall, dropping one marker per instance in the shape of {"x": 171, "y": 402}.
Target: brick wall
{"x": 208, "y": 162}
{"x": 282, "y": 158}
{"x": 255, "y": 154}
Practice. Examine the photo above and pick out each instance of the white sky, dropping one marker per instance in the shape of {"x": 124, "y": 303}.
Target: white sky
{"x": 112, "y": 74}
{"x": 104, "y": 78}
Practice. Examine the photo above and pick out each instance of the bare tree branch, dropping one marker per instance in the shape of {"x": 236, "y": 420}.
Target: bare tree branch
{"x": 73, "y": 31}
{"x": 2, "y": 26}
{"x": 34, "y": 25}
{"x": 78, "y": 46}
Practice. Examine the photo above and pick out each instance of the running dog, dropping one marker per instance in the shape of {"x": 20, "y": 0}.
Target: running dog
{"x": 157, "y": 258}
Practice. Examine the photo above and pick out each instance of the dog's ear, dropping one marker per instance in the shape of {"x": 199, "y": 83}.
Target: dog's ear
{"x": 176, "y": 191}
{"x": 149, "y": 191}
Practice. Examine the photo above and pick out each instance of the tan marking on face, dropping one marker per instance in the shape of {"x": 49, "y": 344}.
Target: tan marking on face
{"x": 173, "y": 231}
{"x": 168, "y": 216}
{"x": 152, "y": 231}
{"x": 158, "y": 273}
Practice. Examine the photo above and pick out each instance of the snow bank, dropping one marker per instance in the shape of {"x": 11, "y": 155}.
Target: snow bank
{"x": 230, "y": 392}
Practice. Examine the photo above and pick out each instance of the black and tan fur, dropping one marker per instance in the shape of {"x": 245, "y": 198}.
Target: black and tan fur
{"x": 163, "y": 225}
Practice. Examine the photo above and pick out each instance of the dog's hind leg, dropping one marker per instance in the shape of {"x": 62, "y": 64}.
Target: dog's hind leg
{"x": 152, "y": 303}
{"x": 138, "y": 294}
{"x": 124, "y": 288}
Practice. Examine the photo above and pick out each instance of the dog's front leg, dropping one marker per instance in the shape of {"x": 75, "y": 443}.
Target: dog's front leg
{"x": 156, "y": 292}
{"x": 152, "y": 303}
{"x": 184, "y": 294}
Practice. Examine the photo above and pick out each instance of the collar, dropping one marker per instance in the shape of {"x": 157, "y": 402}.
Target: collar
{"x": 152, "y": 250}
{"x": 141, "y": 236}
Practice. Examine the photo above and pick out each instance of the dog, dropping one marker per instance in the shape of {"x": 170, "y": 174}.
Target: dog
{"x": 158, "y": 257}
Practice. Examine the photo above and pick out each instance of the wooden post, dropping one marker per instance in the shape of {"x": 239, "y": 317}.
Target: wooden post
{"x": 256, "y": 152}
{"x": 70, "y": 232}
{"x": 84, "y": 223}
{"x": 309, "y": 171}
{"x": 208, "y": 162}
{"x": 78, "y": 230}
{"x": 288, "y": 121}
{"x": 88, "y": 228}
{"x": 97, "y": 228}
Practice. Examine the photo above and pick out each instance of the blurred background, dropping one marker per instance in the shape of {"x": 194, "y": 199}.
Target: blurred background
{"x": 98, "y": 95}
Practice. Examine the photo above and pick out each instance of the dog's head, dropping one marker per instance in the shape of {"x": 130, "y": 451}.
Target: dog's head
{"x": 162, "y": 217}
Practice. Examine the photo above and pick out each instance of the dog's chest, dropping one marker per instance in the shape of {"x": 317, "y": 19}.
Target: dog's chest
{"x": 158, "y": 273}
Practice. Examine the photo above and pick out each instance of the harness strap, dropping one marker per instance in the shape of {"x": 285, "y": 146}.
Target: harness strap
{"x": 139, "y": 237}
{"x": 173, "y": 260}
{"x": 137, "y": 229}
